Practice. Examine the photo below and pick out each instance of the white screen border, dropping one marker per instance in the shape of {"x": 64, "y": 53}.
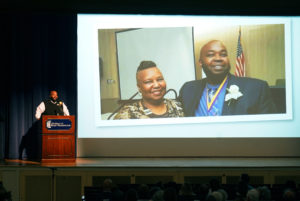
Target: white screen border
{"x": 89, "y": 109}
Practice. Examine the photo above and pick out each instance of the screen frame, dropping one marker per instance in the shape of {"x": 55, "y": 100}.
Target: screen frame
{"x": 93, "y": 23}
{"x": 109, "y": 143}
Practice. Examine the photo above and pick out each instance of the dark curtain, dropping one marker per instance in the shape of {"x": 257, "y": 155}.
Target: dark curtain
{"x": 39, "y": 53}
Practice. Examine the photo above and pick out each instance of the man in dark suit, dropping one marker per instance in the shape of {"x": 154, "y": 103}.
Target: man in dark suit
{"x": 222, "y": 93}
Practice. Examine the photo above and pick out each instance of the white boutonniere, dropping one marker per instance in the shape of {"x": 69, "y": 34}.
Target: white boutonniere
{"x": 233, "y": 94}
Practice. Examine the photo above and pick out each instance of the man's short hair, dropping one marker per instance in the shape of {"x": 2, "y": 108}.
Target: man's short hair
{"x": 144, "y": 65}
{"x": 52, "y": 90}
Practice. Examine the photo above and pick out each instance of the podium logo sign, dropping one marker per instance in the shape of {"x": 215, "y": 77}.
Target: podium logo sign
{"x": 58, "y": 124}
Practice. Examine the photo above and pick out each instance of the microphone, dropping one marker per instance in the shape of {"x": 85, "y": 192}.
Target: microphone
{"x": 116, "y": 110}
{"x": 60, "y": 108}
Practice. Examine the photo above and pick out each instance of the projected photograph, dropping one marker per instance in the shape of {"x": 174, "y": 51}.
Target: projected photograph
{"x": 142, "y": 76}
{"x": 194, "y": 72}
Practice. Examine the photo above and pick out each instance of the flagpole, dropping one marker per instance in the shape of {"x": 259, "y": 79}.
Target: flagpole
{"x": 240, "y": 35}
{"x": 240, "y": 69}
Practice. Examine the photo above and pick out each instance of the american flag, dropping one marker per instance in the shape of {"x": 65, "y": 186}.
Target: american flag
{"x": 240, "y": 66}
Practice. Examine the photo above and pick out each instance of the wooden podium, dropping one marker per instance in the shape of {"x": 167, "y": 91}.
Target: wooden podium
{"x": 58, "y": 139}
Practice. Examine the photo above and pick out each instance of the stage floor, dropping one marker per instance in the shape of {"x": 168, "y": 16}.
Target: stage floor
{"x": 164, "y": 163}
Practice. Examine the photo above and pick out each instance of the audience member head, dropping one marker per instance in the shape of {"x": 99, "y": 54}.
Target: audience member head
{"x": 158, "y": 196}
{"x": 153, "y": 190}
{"x": 224, "y": 194}
{"x": 186, "y": 189}
{"x": 216, "y": 195}
{"x": 107, "y": 184}
{"x": 264, "y": 193}
{"x": 131, "y": 195}
{"x": 170, "y": 194}
{"x": 289, "y": 195}
{"x": 203, "y": 190}
{"x": 242, "y": 189}
{"x": 214, "y": 184}
{"x": 143, "y": 192}
{"x": 253, "y": 195}
{"x": 210, "y": 197}
{"x": 171, "y": 184}
{"x": 245, "y": 177}
{"x": 117, "y": 195}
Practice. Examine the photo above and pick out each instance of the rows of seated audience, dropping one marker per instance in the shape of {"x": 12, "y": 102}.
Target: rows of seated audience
{"x": 213, "y": 191}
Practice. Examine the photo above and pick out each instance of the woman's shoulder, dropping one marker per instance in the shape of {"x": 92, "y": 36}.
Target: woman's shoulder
{"x": 174, "y": 106}
{"x": 173, "y": 102}
{"x": 128, "y": 111}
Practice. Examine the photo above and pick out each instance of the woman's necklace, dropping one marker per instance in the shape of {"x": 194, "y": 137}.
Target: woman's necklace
{"x": 148, "y": 111}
